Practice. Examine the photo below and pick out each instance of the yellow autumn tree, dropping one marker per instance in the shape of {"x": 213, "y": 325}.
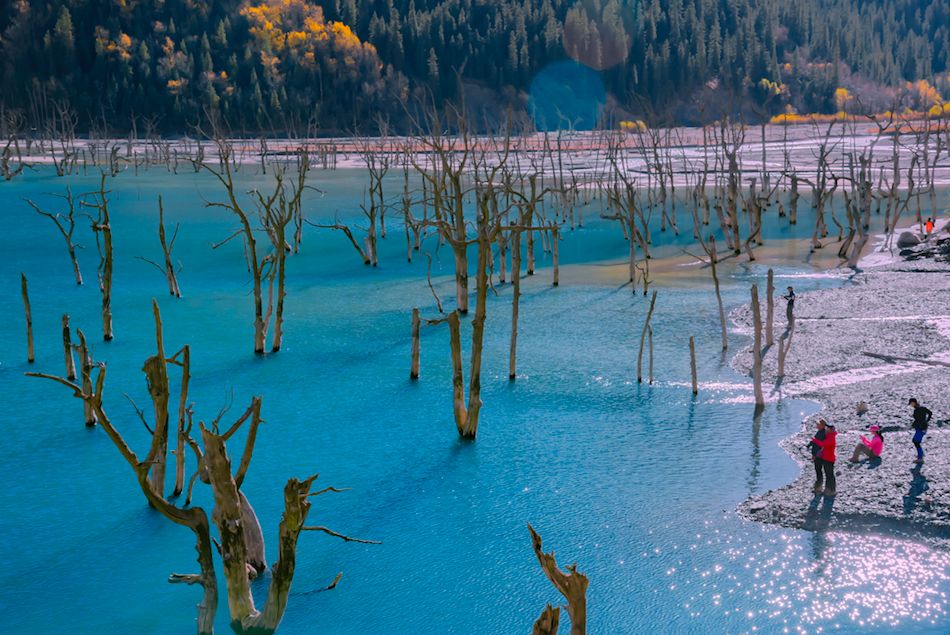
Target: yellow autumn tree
{"x": 842, "y": 97}
{"x": 296, "y": 30}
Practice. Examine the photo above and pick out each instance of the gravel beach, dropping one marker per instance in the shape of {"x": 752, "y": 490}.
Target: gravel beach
{"x": 880, "y": 339}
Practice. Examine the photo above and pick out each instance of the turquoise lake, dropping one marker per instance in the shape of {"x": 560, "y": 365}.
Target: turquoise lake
{"x": 637, "y": 484}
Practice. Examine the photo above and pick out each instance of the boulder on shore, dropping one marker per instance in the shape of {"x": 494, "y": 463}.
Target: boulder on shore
{"x": 907, "y": 239}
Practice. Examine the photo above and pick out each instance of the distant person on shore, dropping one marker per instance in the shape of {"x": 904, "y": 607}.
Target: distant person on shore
{"x": 822, "y": 447}
{"x": 929, "y": 227}
{"x": 790, "y": 307}
{"x": 921, "y": 420}
{"x": 869, "y": 448}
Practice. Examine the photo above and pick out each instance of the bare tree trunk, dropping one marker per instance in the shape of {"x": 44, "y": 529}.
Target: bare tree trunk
{"x": 650, "y": 365}
{"x": 571, "y": 584}
{"x": 478, "y": 333}
{"x": 101, "y": 225}
{"x": 68, "y": 350}
{"x": 770, "y": 310}
{"x": 85, "y": 369}
{"x": 692, "y": 364}
{"x": 183, "y": 413}
{"x": 156, "y": 374}
{"x": 757, "y": 349}
{"x": 502, "y": 257}
{"x": 458, "y": 380}
{"x": 722, "y": 312}
{"x": 554, "y": 253}
{"x": 530, "y": 250}
{"x": 414, "y": 369}
{"x": 515, "y": 303}
{"x": 646, "y": 327}
{"x": 30, "y": 357}
{"x": 173, "y": 287}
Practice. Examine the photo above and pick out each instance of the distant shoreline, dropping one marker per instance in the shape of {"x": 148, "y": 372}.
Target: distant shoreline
{"x": 581, "y": 157}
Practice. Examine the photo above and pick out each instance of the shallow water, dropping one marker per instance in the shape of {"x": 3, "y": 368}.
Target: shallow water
{"x": 635, "y": 483}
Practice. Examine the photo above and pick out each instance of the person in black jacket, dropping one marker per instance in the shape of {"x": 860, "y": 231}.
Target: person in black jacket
{"x": 921, "y": 419}
{"x": 790, "y": 307}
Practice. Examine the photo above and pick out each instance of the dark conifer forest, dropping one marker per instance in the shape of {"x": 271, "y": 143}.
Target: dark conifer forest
{"x": 345, "y": 65}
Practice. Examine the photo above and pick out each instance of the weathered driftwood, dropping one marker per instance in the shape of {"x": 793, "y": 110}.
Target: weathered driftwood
{"x": 571, "y": 584}
{"x": 646, "y": 328}
{"x": 548, "y": 623}
{"x": 30, "y": 355}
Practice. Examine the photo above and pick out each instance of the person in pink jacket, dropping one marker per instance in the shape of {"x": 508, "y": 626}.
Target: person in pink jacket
{"x": 826, "y": 458}
{"x": 869, "y": 448}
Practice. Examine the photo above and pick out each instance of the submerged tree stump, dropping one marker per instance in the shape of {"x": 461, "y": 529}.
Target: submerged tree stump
{"x": 571, "y": 584}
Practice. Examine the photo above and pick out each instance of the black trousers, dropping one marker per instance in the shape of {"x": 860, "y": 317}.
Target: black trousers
{"x": 825, "y": 472}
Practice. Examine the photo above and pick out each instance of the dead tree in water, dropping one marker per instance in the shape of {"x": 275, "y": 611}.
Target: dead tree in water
{"x": 29, "y": 319}
{"x": 66, "y": 224}
{"x": 770, "y": 309}
{"x": 168, "y": 268}
{"x": 713, "y": 257}
{"x": 444, "y": 175}
{"x": 241, "y": 541}
{"x": 101, "y": 227}
{"x": 571, "y": 584}
{"x": 646, "y": 328}
{"x": 757, "y": 349}
{"x": 527, "y": 211}
{"x": 12, "y": 125}
{"x": 68, "y": 350}
{"x": 275, "y": 212}
{"x": 692, "y": 364}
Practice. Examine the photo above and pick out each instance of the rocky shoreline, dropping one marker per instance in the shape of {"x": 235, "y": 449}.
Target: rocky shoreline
{"x": 880, "y": 339}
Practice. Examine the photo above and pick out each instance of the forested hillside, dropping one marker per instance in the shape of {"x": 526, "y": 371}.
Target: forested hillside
{"x": 278, "y": 64}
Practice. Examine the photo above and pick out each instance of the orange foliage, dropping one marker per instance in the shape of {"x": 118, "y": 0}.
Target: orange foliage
{"x": 297, "y": 29}
{"x": 633, "y": 126}
{"x": 925, "y": 94}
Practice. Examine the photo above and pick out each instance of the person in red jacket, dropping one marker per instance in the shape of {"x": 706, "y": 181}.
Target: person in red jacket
{"x": 826, "y": 458}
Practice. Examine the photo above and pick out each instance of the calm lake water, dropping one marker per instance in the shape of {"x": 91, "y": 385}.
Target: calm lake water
{"x": 635, "y": 483}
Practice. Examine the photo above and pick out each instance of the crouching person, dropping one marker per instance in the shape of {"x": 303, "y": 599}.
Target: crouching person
{"x": 869, "y": 448}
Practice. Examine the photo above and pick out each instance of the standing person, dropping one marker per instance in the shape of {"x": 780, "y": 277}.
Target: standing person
{"x": 826, "y": 455}
{"x": 929, "y": 226}
{"x": 921, "y": 420}
{"x": 870, "y": 448}
{"x": 790, "y": 307}
{"x": 815, "y": 450}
